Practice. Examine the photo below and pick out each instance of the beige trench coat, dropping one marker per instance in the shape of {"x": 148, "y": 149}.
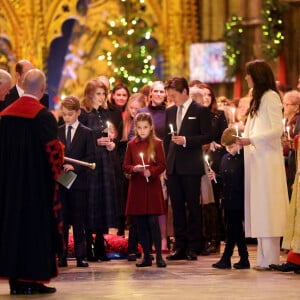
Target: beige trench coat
{"x": 266, "y": 196}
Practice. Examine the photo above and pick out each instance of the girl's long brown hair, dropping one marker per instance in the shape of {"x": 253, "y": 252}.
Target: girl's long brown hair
{"x": 147, "y": 117}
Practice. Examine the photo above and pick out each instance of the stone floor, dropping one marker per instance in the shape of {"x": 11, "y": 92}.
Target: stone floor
{"x": 184, "y": 280}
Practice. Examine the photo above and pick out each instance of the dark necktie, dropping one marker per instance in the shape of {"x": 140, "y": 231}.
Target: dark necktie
{"x": 179, "y": 117}
{"x": 69, "y": 140}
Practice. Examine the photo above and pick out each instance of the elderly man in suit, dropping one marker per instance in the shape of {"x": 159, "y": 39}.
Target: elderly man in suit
{"x": 22, "y": 67}
{"x": 5, "y": 84}
{"x": 188, "y": 128}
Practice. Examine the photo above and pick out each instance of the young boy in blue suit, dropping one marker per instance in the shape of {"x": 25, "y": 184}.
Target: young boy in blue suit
{"x": 79, "y": 145}
{"x": 231, "y": 176}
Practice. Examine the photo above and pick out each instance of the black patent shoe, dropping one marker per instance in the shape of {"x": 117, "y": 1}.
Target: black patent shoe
{"x": 82, "y": 264}
{"x": 160, "y": 263}
{"x": 103, "y": 257}
{"x": 144, "y": 263}
{"x": 30, "y": 288}
{"x": 222, "y": 264}
{"x": 285, "y": 267}
{"x": 191, "y": 255}
{"x": 62, "y": 262}
{"x": 242, "y": 264}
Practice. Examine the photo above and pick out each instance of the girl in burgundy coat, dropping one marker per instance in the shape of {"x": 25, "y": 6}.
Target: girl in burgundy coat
{"x": 144, "y": 162}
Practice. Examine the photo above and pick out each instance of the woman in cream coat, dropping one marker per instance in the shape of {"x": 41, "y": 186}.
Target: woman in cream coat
{"x": 266, "y": 197}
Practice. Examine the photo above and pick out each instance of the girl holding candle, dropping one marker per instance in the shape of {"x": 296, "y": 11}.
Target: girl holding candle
{"x": 145, "y": 162}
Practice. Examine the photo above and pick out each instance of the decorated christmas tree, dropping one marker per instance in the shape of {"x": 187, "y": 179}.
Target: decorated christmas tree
{"x": 133, "y": 50}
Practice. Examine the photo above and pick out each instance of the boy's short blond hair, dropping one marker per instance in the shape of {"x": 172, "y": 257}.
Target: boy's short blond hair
{"x": 228, "y": 137}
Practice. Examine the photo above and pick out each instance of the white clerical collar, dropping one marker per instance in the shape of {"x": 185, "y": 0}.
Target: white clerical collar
{"x": 31, "y": 96}
{"x": 20, "y": 90}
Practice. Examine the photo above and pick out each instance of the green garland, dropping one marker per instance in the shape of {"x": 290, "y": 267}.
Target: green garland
{"x": 233, "y": 40}
{"x": 272, "y": 28}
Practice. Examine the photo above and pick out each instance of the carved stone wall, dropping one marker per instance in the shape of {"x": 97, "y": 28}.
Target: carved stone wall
{"x": 29, "y": 27}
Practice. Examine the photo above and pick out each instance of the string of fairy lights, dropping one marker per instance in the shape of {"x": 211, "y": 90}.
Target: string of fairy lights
{"x": 132, "y": 54}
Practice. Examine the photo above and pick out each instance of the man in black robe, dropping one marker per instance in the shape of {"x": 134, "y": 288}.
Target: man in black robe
{"x": 30, "y": 160}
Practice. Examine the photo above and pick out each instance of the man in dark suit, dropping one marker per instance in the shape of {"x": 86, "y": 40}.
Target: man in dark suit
{"x": 79, "y": 145}
{"x": 17, "y": 90}
{"x": 188, "y": 128}
{"x": 5, "y": 84}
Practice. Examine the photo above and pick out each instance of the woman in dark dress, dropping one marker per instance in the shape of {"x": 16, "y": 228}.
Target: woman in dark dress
{"x": 119, "y": 98}
{"x": 213, "y": 228}
{"x": 102, "y": 205}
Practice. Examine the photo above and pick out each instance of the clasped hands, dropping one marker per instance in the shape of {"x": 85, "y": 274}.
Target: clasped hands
{"x": 106, "y": 142}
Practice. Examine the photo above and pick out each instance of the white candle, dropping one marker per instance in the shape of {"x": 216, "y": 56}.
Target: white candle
{"x": 288, "y": 132}
{"x": 171, "y": 129}
{"x": 209, "y": 168}
{"x": 233, "y": 114}
{"x": 283, "y": 124}
{"x": 236, "y": 129}
{"x": 142, "y": 157}
{"x": 206, "y": 159}
{"x": 237, "y": 134}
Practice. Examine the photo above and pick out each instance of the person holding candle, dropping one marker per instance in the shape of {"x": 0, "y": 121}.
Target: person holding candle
{"x": 145, "y": 161}
{"x": 213, "y": 228}
{"x": 231, "y": 177}
{"x": 185, "y": 165}
{"x": 157, "y": 108}
{"x": 102, "y": 200}
{"x": 266, "y": 196}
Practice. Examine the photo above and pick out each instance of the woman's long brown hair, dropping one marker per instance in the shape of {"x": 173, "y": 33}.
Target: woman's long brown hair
{"x": 263, "y": 80}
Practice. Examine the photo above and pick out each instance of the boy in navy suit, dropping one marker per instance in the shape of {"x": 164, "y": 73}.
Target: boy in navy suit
{"x": 231, "y": 176}
{"x": 79, "y": 145}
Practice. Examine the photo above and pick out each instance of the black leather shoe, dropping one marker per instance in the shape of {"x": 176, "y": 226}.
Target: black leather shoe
{"x": 131, "y": 257}
{"x": 144, "y": 263}
{"x": 242, "y": 264}
{"x": 178, "y": 254}
{"x": 285, "y": 267}
{"x": 30, "y": 288}
{"x": 191, "y": 255}
{"x": 221, "y": 264}
{"x": 160, "y": 263}
{"x": 103, "y": 257}
{"x": 82, "y": 264}
{"x": 62, "y": 262}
